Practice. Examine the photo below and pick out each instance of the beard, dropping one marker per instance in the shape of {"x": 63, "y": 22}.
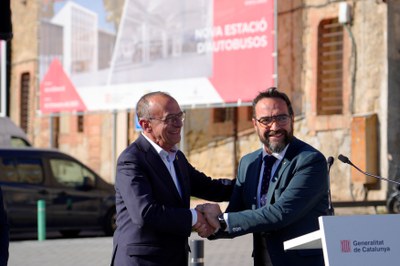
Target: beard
{"x": 276, "y": 147}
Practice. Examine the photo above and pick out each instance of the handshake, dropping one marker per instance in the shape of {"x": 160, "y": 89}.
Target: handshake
{"x": 207, "y": 219}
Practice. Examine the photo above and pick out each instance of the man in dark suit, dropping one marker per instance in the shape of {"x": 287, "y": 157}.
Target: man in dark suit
{"x": 4, "y": 233}
{"x": 295, "y": 195}
{"x": 153, "y": 186}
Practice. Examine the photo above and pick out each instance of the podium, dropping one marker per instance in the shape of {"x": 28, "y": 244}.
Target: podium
{"x": 368, "y": 240}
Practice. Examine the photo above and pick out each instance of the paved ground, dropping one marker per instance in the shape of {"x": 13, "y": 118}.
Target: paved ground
{"x": 96, "y": 251}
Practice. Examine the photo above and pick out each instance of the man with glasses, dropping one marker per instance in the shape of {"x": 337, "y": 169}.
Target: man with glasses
{"x": 153, "y": 185}
{"x": 281, "y": 189}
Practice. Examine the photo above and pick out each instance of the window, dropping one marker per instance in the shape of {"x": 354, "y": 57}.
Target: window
{"x": 249, "y": 110}
{"x": 55, "y": 131}
{"x": 19, "y": 142}
{"x": 228, "y": 121}
{"x": 71, "y": 174}
{"x": 30, "y": 170}
{"x": 8, "y": 170}
{"x": 330, "y": 68}
{"x": 24, "y": 115}
{"x": 80, "y": 123}
{"x": 24, "y": 170}
{"x": 222, "y": 115}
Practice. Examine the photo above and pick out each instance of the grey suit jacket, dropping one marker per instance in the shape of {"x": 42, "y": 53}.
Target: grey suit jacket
{"x": 297, "y": 196}
{"x": 153, "y": 220}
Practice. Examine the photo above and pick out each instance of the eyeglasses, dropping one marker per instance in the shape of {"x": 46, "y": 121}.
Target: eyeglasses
{"x": 171, "y": 119}
{"x": 281, "y": 120}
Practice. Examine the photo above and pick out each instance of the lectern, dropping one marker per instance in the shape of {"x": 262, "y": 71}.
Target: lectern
{"x": 368, "y": 240}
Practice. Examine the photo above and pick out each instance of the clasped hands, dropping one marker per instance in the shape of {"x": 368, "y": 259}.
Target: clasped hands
{"x": 207, "y": 219}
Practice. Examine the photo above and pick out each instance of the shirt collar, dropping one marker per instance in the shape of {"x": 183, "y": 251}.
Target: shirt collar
{"x": 163, "y": 153}
{"x": 278, "y": 156}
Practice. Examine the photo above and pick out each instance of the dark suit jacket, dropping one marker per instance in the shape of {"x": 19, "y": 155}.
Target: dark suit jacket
{"x": 153, "y": 221}
{"x": 4, "y": 231}
{"x": 297, "y": 196}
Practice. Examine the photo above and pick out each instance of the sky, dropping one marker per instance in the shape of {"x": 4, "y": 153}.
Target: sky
{"x": 93, "y": 5}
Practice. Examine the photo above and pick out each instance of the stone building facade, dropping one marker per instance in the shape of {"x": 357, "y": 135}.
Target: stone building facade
{"x": 362, "y": 121}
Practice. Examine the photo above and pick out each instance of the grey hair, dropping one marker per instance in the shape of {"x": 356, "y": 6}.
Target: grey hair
{"x": 143, "y": 105}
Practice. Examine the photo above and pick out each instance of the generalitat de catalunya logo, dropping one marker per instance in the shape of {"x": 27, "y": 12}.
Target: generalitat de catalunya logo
{"x": 364, "y": 246}
{"x": 345, "y": 246}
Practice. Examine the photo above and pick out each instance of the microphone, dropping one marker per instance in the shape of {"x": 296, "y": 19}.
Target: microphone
{"x": 344, "y": 159}
{"x": 331, "y": 211}
{"x": 330, "y": 161}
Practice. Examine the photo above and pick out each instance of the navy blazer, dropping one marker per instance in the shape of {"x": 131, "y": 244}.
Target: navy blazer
{"x": 297, "y": 196}
{"x": 153, "y": 220}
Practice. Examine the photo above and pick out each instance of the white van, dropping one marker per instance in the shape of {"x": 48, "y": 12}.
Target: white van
{"x": 11, "y": 135}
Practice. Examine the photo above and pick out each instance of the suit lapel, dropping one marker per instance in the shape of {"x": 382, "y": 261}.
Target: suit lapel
{"x": 156, "y": 163}
{"x": 256, "y": 171}
{"x": 281, "y": 168}
{"x": 182, "y": 178}
{"x": 276, "y": 177}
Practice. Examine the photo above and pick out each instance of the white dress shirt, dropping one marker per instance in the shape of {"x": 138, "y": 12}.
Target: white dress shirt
{"x": 168, "y": 158}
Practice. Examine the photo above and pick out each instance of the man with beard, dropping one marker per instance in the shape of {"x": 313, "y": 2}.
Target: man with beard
{"x": 289, "y": 203}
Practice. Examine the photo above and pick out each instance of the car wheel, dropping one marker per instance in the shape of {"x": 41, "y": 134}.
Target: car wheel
{"x": 109, "y": 222}
{"x": 70, "y": 233}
